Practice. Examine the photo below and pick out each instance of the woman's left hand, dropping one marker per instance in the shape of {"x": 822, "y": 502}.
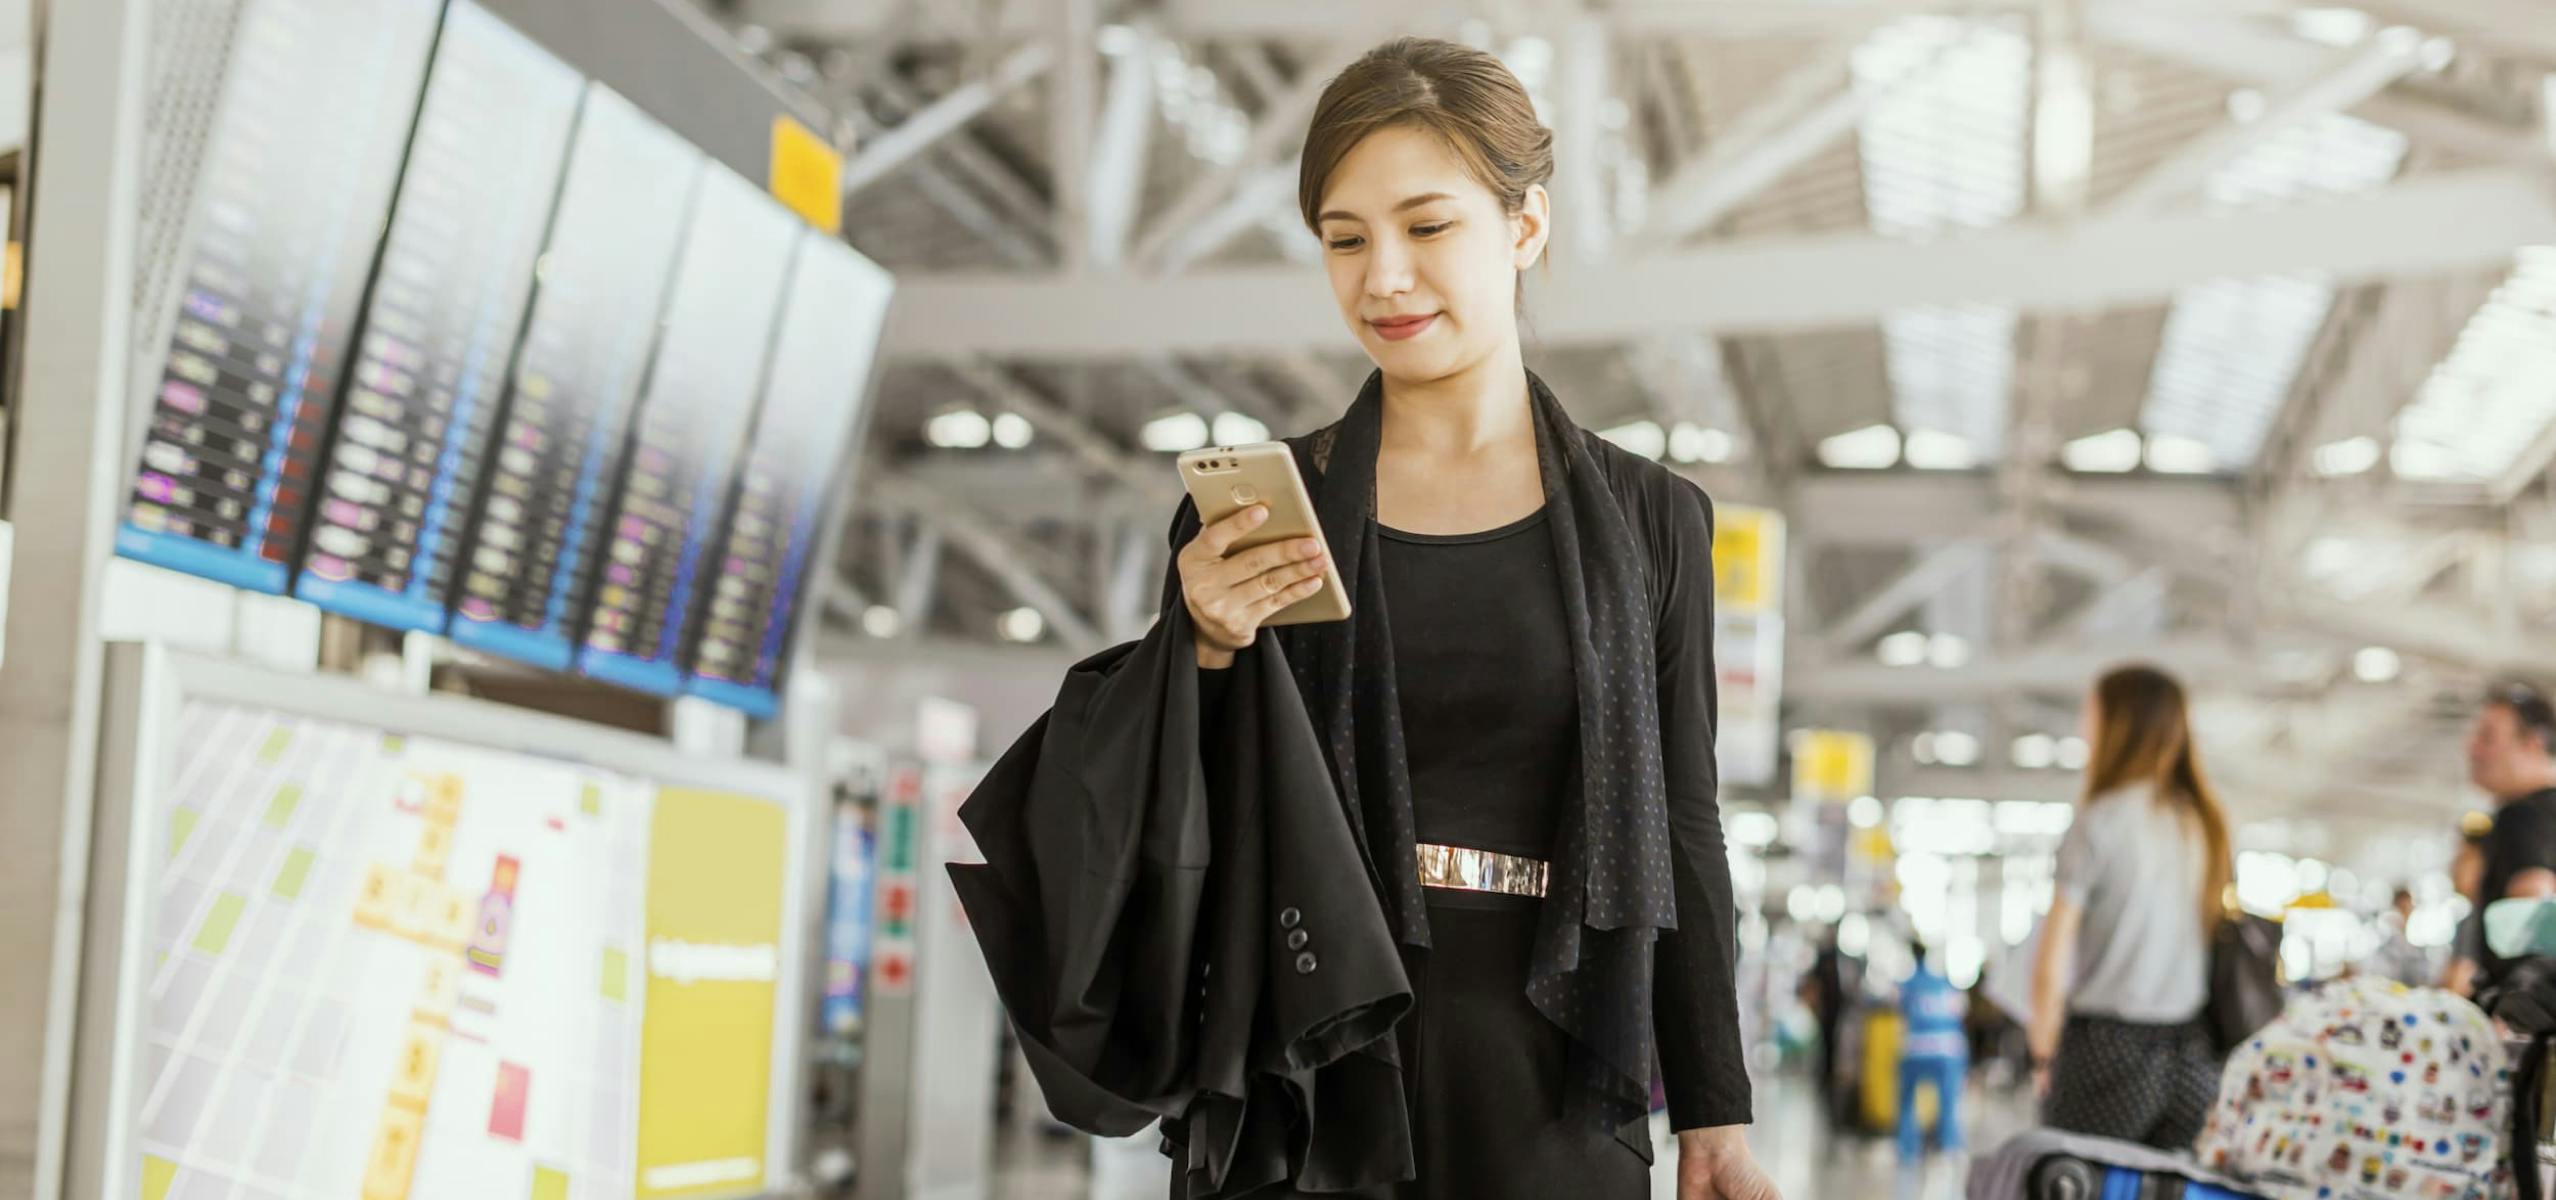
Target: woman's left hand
{"x": 1714, "y": 1164}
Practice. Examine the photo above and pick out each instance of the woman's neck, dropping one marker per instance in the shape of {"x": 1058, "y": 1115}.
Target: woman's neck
{"x": 1482, "y": 407}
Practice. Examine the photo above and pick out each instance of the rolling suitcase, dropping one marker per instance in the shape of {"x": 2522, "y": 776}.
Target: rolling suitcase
{"x": 2046, "y": 1164}
{"x": 2066, "y": 1177}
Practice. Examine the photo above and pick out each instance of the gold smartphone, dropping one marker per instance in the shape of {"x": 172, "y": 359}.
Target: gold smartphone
{"x": 1224, "y": 480}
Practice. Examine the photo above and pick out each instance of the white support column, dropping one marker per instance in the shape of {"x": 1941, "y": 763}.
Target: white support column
{"x": 919, "y": 574}
{"x": 70, "y": 463}
{"x": 1072, "y": 107}
{"x": 1584, "y": 223}
{"x": 1118, "y": 155}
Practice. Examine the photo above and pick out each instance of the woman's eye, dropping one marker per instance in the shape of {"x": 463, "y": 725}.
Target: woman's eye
{"x": 1430, "y": 230}
{"x": 1348, "y": 243}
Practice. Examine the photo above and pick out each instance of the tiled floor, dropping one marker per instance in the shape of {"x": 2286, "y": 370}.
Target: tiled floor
{"x": 1807, "y": 1160}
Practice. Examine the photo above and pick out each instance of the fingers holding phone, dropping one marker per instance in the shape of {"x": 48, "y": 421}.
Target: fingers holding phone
{"x": 1230, "y": 591}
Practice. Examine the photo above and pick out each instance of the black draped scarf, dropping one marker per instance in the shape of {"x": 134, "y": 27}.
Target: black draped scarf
{"x": 1609, "y": 887}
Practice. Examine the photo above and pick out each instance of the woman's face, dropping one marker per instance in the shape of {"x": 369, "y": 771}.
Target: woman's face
{"x": 1423, "y": 262}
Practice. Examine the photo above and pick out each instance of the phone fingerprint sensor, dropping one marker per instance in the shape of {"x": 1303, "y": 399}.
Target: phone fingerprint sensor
{"x": 1243, "y": 493}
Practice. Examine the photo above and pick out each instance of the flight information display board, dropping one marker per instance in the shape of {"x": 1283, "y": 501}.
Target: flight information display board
{"x": 298, "y": 174}
{"x": 812, "y": 394}
{"x": 603, "y": 282}
{"x": 440, "y": 326}
{"x": 418, "y": 948}
{"x": 690, "y": 428}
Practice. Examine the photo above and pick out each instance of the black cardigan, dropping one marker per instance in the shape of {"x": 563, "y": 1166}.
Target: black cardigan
{"x": 1100, "y": 917}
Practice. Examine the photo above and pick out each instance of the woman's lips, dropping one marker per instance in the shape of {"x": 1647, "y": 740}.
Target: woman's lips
{"x": 1395, "y": 329}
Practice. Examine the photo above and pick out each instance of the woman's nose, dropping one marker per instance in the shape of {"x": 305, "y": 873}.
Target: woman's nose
{"x": 1388, "y": 271}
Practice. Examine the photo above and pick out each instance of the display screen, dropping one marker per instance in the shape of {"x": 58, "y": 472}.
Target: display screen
{"x": 386, "y": 964}
{"x": 603, "y": 282}
{"x": 298, "y": 174}
{"x": 812, "y": 395}
{"x": 440, "y": 326}
{"x": 689, "y": 432}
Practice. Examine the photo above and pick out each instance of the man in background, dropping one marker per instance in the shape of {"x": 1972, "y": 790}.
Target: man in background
{"x": 2397, "y": 957}
{"x": 1825, "y": 988}
{"x": 2511, "y": 756}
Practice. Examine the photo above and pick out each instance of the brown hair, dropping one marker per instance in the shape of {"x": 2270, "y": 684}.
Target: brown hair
{"x": 1462, "y": 95}
{"x": 2143, "y": 734}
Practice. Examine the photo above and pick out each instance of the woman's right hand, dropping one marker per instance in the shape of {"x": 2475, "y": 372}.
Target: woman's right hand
{"x": 1230, "y": 594}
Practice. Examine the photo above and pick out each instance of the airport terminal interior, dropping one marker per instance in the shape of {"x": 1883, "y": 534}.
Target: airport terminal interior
{"x": 707, "y": 465}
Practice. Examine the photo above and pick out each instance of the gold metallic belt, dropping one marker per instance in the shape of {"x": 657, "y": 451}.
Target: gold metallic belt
{"x": 1480, "y": 871}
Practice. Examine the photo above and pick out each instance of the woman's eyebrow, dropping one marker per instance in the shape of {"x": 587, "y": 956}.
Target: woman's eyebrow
{"x": 1405, "y": 206}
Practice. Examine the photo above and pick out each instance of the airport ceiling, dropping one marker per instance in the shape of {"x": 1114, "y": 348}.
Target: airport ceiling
{"x": 2218, "y": 332}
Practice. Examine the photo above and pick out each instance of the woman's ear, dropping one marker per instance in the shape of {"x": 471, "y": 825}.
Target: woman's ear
{"x": 1532, "y": 226}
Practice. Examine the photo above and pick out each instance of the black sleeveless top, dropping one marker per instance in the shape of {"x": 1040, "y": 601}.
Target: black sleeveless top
{"x": 1482, "y": 662}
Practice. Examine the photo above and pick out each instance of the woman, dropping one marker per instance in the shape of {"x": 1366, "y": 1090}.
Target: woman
{"x": 2141, "y": 880}
{"x": 1521, "y": 710}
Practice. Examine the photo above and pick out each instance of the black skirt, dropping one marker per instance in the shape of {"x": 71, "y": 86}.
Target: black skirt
{"x": 1486, "y": 1073}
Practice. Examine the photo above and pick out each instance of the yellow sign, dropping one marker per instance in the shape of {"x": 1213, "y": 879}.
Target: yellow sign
{"x": 715, "y": 863}
{"x": 1832, "y": 764}
{"x": 807, "y": 175}
{"x": 1748, "y": 560}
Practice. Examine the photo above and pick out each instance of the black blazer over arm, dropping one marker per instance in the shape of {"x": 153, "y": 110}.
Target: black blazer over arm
{"x": 1143, "y": 880}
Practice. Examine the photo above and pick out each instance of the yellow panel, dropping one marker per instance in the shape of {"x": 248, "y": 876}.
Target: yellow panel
{"x": 549, "y": 1183}
{"x": 705, "y": 1064}
{"x": 453, "y": 913}
{"x": 616, "y": 974}
{"x": 157, "y": 1174}
{"x": 215, "y": 936}
{"x": 413, "y": 1074}
{"x": 416, "y": 906}
{"x": 442, "y": 987}
{"x": 377, "y": 898}
{"x": 807, "y": 175}
{"x": 181, "y": 827}
{"x": 393, "y": 1163}
{"x": 443, "y": 799}
{"x": 294, "y": 873}
{"x": 434, "y": 849}
{"x": 1748, "y": 560}
{"x": 1831, "y": 764}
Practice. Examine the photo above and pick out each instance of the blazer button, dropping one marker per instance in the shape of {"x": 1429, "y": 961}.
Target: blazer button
{"x": 1289, "y": 918}
{"x": 1305, "y": 963}
{"x": 1296, "y": 939}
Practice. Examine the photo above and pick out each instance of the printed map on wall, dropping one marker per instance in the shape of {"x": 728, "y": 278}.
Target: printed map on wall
{"x": 394, "y": 967}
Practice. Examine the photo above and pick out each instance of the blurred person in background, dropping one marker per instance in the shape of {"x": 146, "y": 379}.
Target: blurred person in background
{"x": 1996, "y": 1039}
{"x": 2140, "y": 884}
{"x": 2467, "y": 878}
{"x": 2397, "y": 957}
{"x": 1824, "y": 989}
{"x": 2511, "y": 756}
{"x": 1933, "y": 1053}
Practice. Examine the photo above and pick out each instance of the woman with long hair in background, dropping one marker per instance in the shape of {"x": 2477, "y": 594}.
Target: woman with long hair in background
{"x": 2122, "y": 975}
